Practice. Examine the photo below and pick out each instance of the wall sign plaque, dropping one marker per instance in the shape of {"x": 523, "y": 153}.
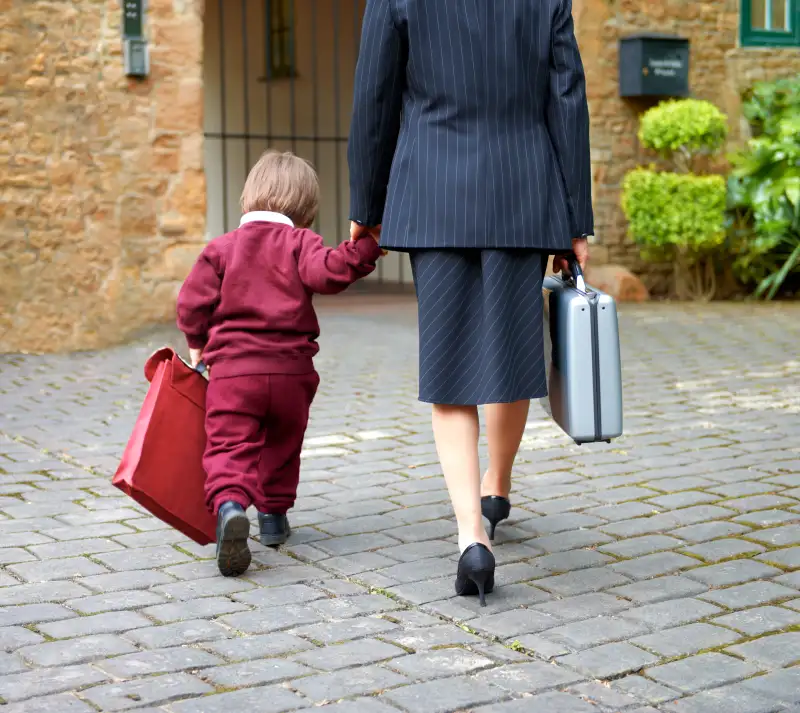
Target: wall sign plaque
{"x": 653, "y": 65}
{"x": 135, "y": 52}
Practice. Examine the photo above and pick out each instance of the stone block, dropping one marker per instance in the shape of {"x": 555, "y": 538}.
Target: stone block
{"x": 659, "y": 589}
{"x": 698, "y": 673}
{"x": 148, "y": 663}
{"x": 365, "y": 680}
{"x": 116, "y": 601}
{"x": 653, "y": 565}
{"x": 140, "y": 579}
{"x": 736, "y": 572}
{"x": 442, "y": 663}
{"x": 32, "y": 614}
{"x": 727, "y": 699}
{"x": 354, "y": 653}
{"x": 645, "y": 689}
{"x": 749, "y": 595}
{"x": 185, "y": 632}
{"x": 345, "y": 630}
{"x": 788, "y": 558}
{"x": 781, "y": 686}
{"x": 639, "y": 546}
{"x": 110, "y": 623}
{"x": 719, "y": 550}
{"x": 60, "y": 703}
{"x": 760, "y": 620}
{"x": 609, "y": 660}
{"x": 555, "y": 702}
{"x": 583, "y": 581}
{"x": 41, "y": 682}
{"x": 347, "y": 607}
{"x": 254, "y": 673}
{"x": 148, "y": 691}
{"x": 15, "y": 637}
{"x": 779, "y": 536}
{"x": 142, "y": 558}
{"x": 76, "y": 651}
{"x": 244, "y": 648}
{"x": 37, "y": 593}
{"x": 593, "y": 632}
{"x": 672, "y": 613}
{"x": 684, "y": 640}
{"x": 775, "y": 651}
{"x": 206, "y": 608}
{"x": 514, "y": 623}
{"x": 265, "y": 699}
{"x": 709, "y": 531}
{"x": 617, "y": 281}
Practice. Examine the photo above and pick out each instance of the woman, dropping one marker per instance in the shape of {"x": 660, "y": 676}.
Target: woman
{"x": 469, "y": 149}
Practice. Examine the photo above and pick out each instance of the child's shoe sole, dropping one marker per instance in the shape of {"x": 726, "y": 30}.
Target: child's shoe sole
{"x": 233, "y": 552}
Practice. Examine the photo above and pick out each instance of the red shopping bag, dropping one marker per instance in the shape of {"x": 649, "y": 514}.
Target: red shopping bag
{"x": 162, "y": 466}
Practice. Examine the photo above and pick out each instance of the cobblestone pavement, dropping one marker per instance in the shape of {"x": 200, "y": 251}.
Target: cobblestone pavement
{"x": 658, "y": 573}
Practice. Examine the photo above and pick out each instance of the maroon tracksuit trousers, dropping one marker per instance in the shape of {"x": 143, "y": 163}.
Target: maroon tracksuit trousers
{"x": 255, "y": 427}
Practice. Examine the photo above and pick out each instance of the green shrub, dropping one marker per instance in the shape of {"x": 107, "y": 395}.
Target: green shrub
{"x": 683, "y": 128}
{"x": 680, "y": 218}
{"x": 674, "y": 211}
{"x": 764, "y": 191}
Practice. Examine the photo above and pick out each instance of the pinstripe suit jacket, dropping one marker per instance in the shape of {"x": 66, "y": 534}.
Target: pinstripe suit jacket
{"x": 470, "y": 125}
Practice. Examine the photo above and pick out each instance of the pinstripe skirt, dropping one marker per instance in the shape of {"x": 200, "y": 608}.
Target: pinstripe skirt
{"x": 480, "y": 325}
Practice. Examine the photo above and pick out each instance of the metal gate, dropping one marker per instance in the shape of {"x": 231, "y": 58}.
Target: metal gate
{"x": 279, "y": 74}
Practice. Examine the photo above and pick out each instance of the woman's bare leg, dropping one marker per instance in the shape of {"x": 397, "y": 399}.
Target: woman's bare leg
{"x": 456, "y": 430}
{"x": 505, "y": 424}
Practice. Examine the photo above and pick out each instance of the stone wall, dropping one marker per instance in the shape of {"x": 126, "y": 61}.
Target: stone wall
{"x": 719, "y": 71}
{"x": 101, "y": 176}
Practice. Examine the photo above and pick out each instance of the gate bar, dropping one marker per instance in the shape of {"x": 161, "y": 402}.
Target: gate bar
{"x": 268, "y": 62}
{"x": 315, "y": 101}
{"x": 292, "y": 73}
{"x": 246, "y": 92}
{"x": 223, "y": 116}
{"x": 337, "y": 123}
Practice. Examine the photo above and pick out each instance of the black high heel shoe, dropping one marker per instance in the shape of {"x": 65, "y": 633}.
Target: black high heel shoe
{"x": 495, "y": 509}
{"x": 475, "y": 572}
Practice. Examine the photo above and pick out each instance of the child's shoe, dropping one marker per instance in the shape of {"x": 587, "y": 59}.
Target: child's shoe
{"x": 275, "y": 529}
{"x": 233, "y": 531}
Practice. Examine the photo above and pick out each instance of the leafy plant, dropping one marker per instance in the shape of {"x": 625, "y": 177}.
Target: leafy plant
{"x": 767, "y": 102}
{"x": 682, "y": 129}
{"x": 678, "y": 217}
{"x": 764, "y": 190}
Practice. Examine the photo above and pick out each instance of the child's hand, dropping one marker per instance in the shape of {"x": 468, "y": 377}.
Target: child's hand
{"x": 359, "y": 232}
{"x": 195, "y": 357}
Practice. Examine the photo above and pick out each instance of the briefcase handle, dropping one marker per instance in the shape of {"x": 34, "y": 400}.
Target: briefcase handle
{"x": 575, "y": 272}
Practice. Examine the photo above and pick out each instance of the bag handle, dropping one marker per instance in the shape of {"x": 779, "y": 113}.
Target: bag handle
{"x": 158, "y": 357}
{"x": 168, "y": 354}
{"x": 575, "y": 272}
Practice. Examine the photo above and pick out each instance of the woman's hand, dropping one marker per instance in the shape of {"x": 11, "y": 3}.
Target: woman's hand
{"x": 580, "y": 246}
{"x": 359, "y": 232}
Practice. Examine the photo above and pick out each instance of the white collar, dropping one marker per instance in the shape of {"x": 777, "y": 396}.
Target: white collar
{"x": 265, "y": 216}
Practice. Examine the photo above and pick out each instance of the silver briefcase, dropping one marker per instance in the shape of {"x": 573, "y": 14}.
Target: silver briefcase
{"x": 582, "y": 354}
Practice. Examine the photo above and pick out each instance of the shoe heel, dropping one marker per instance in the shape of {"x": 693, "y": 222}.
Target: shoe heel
{"x": 495, "y": 509}
{"x": 479, "y": 578}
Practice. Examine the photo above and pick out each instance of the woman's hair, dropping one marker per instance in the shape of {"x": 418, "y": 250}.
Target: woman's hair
{"x": 283, "y": 183}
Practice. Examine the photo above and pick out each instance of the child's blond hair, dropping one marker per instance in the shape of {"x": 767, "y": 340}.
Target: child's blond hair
{"x": 283, "y": 183}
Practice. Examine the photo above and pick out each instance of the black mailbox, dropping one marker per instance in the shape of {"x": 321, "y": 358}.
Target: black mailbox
{"x": 653, "y": 65}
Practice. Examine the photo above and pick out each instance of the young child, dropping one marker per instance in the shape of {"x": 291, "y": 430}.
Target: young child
{"x": 246, "y": 312}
